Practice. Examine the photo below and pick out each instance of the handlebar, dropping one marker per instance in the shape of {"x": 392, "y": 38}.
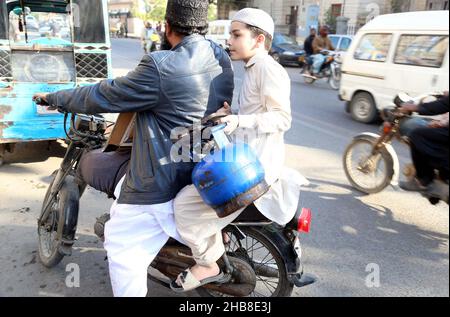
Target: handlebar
{"x": 41, "y": 102}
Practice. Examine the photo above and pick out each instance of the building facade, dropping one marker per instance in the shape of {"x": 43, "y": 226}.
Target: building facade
{"x": 121, "y": 13}
{"x": 436, "y": 4}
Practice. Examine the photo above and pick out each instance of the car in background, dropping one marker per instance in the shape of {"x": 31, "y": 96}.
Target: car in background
{"x": 285, "y": 50}
{"x": 219, "y": 32}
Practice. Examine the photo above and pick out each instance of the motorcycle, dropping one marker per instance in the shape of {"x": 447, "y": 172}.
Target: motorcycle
{"x": 261, "y": 259}
{"x": 370, "y": 161}
{"x": 330, "y": 70}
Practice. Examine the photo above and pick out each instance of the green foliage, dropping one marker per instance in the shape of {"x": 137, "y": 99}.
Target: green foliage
{"x": 212, "y": 12}
{"x": 156, "y": 10}
{"x": 330, "y": 20}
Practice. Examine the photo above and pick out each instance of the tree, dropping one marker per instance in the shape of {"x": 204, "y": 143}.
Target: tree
{"x": 212, "y": 11}
{"x": 330, "y": 21}
{"x": 400, "y": 6}
{"x": 155, "y": 10}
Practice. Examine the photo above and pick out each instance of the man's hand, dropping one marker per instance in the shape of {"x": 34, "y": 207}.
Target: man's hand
{"x": 441, "y": 123}
{"x": 40, "y": 98}
{"x": 232, "y": 123}
{"x": 408, "y": 108}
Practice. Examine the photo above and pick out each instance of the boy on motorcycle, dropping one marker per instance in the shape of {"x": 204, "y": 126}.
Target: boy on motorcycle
{"x": 264, "y": 115}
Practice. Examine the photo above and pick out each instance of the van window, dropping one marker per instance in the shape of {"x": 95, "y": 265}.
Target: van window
{"x": 345, "y": 44}
{"x": 44, "y": 28}
{"x": 421, "y": 50}
{"x": 334, "y": 41}
{"x": 373, "y": 47}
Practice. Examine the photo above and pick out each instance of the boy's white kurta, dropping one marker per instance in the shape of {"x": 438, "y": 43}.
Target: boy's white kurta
{"x": 264, "y": 117}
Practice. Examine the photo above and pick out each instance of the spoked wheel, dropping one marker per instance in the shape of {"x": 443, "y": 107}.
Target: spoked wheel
{"x": 369, "y": 173}
{"x": 265, "y": 260}
{"x": 335, "y": 79}
{"x": 49, "y": 246}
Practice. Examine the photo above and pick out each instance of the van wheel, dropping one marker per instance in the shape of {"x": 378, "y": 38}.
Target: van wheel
{"x": 362, "y": 108}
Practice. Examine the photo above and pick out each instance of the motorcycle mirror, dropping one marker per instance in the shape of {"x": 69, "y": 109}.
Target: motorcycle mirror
{"x": 401, "y": 98}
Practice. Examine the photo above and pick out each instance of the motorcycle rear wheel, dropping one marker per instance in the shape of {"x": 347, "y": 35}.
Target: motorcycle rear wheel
{"x": 266, "y": 261}
{"x": 49, "y": 250}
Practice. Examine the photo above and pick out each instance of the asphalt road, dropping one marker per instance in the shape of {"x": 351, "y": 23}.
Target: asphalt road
{"x": 354, "y": 237}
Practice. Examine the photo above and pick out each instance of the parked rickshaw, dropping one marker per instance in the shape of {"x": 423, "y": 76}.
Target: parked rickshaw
{"x": 46, "y": 46}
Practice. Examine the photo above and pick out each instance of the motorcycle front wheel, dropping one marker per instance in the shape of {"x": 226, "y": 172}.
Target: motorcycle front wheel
{"x": 266, "y": 261}
{"x": 335, "y": 78}
{"x": 367, "y": 172}
{"x": 49, "y": 250}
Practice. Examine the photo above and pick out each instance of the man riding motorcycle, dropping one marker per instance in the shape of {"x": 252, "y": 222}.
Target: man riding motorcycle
{"x": 169, "y": 89}
{"x": 320, "y": 43}
{"x": 429, "y": 146}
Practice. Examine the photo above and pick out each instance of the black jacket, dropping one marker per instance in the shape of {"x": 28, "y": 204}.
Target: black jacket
{"x": 167, "y": 90}
{"x": 307, "y": 45}
{"x": 439, "y": 106}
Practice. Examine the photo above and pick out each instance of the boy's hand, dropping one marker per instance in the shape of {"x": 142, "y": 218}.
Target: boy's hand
{"x": 225, "y": 110}
{"x": 232, "y": 123}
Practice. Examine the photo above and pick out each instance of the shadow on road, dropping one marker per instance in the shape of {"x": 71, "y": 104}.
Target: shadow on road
{"x": 379, "y": 230}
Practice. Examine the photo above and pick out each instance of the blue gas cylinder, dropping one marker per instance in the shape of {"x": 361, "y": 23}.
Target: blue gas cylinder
{"x": 230, "y": 178}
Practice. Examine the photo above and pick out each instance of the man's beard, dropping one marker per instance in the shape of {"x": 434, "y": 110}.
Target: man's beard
{"x": 165, "y": 44}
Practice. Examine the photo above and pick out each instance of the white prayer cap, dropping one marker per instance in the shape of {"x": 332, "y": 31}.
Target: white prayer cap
{"x": 256, "y": 17}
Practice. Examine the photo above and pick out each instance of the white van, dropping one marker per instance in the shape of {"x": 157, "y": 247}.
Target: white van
{"x": 393, "y": 53}
{"x": 219, "y": 32}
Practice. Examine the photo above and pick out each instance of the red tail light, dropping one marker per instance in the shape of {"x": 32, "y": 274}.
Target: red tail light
{"x": 304, "y": 222}
{"x": 387, "y": 127}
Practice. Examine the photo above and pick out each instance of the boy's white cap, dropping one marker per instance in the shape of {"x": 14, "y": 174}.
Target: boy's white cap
{"x": 256, "y": 17}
